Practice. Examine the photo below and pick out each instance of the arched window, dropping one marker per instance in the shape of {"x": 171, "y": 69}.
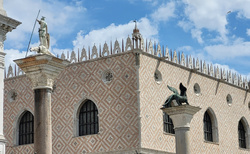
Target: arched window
{"x": 26, "y": 129}
{"x": 168, "y": 125}
{"x": 210, "y": 126}
{"x": 242, "y": 135}
{"x": 208, "y": 131}
{"x": 88, "y": 119}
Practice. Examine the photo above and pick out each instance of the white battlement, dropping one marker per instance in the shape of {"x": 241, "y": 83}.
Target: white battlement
{"x": 150, "y": 48}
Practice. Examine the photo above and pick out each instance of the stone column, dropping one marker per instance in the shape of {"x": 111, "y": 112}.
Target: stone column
{"x": 6, "y": 25}
{"x": 181, "y": 117}
{"x": 42, "y": 70}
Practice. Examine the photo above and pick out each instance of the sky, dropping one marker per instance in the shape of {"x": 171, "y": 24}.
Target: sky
{"x": 217, "y": 31}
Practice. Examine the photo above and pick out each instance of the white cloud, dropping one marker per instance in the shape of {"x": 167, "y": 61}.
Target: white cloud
{"x": 248, "y": 32}
{"x": 164, "y": 12}
{"x": 186, "y": 25}
{"x": 59, "y": 16}
{"x": 212, "y": 14}
{"x": 221, "y": 51}
{"x": 185, "y": 48}
{"x": 208, "y": 14}
{"x": 114, "y": 32}
{"x": 13, "y": 54}
{"x": 196, "y": 33}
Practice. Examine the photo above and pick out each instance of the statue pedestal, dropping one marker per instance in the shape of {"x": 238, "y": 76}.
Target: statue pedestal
{"x": 181, "y": 117}
{"x": 42, "y": 70}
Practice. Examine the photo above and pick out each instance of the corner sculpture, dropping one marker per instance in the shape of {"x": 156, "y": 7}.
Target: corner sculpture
{"x": 179, "y": 98}
{"x": 44, "y": 38}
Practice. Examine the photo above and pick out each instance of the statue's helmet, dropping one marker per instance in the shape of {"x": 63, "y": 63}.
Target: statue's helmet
{"x": 43, "y": 18}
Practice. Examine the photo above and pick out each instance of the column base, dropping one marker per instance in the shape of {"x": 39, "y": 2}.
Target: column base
{"x": 2, "y": 144}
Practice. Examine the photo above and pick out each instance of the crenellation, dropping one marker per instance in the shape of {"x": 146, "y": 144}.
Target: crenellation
{"x": 175, "y": 59}
{"x": 167, "y": 56}
{"x": 197, "y": 65}
{"x": 223, "y": 74}
{"x": 63, "y": 57}
{"x": 94, "y": 52}
{"x": 150, "y": 48}
{"x": 235, "y": 80}
{"x": 183, "y": 59}
{"x": 205, "y": 68}
{"x": 19, "y": 71}
{"x": 73, "y": 57}
{"x": 142, "y": 44}
{"x": 217, "y": 73}
{"x": 10, "y": 72}
{"x": 158, "y": 53}
{"x": 230, "y": 79}
{"x": 211, "y": 71}
{"x": 245, "y": 83}
{"x": 153, "y": 49}
{"x": 105, "y": 50}
{"x": 117, "y": 48}
{"x": 240, "y": 81}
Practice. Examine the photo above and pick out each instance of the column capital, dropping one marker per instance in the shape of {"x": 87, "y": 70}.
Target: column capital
{"x": 42, "y": 69}
{"x": 7, "y": 24}
{"x": 181, "y": 115}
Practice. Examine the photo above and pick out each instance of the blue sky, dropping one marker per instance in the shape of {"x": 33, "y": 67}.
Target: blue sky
{"x": 217, "y": 31}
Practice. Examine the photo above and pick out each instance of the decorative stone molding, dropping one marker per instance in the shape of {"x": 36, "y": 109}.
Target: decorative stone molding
{"x": 42, "y": 69}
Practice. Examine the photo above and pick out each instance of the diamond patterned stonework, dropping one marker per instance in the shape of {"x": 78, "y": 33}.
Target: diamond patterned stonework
{"x": 130, "y": 118}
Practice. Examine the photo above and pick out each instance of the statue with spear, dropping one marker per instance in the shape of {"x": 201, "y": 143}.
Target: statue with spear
{"x": 44, "y": 38}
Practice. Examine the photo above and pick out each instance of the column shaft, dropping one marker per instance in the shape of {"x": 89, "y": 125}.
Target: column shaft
{"x": 181, "y": 140}
{"x": 42, "y": 122}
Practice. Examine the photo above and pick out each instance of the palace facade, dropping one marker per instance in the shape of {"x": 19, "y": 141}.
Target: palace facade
{"x": 108, "y": 100}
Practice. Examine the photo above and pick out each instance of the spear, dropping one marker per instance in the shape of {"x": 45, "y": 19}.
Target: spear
{"x": 32, "y": 33}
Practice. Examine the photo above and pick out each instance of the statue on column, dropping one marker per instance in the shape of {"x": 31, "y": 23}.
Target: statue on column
{"x": 44, "y": 38}
{"x": 43, "y": 33}
{"x": 176, "y": 97}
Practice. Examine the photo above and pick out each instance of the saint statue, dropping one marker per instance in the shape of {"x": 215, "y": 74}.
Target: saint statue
{"x": 179, "y": 98}
{"x": 44, "y": 38}
{"x": 43, "y": 33}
